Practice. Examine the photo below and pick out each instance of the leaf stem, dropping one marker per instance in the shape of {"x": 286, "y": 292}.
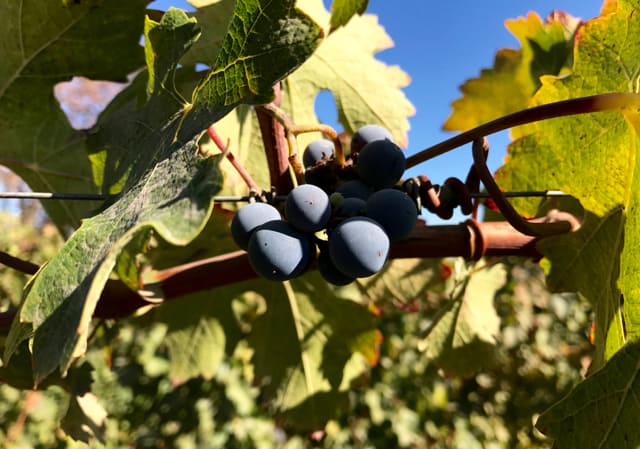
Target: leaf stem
{"x": 583, "y": 105}
{"x": 224, "y": 148}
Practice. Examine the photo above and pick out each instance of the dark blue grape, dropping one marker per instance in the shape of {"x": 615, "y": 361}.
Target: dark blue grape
{"x": 350, "y": 207}
{"x": 248, "y": 218}
{"x": 329, "y": 272}
{"x": 317, "y": 151}
{"x": 279, "y": 252}
{"x": 381, "y": 164}
{"x": 395, "y": 211}
{"x": 354, "y": 189}
{"x": 368, "y": 134}
{"x": 358, "y": 247}
{"x": 307, "y": 208}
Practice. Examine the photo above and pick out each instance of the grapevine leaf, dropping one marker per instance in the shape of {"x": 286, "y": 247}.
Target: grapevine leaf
{"x": 169, "y": 187}
{"x": 213, "y": 17}
{"x": 164, "y": 48}
{"x": 42, "y": 45}
{"x": 304, "y": 345}
{"x": 603, "y": 265}
{"x": 601, "y": 412}
{"x": 342, "y": 61}
{"x": 198, "y": 336}
{"x": 365, "y": 90}
{"x": 463, "y": 336}
{"x": 247, "y": 66}
{"x": 403, "y": 280}
{"x": 85, "y": 419}
{"x": 515, "y": 76}
{"x": 343, "y": 10}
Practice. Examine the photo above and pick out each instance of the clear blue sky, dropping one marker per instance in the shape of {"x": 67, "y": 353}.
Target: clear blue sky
{"x": 440, "y": 45}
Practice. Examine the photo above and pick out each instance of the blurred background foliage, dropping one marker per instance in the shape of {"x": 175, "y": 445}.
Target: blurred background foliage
{"x": 407, "y": 400}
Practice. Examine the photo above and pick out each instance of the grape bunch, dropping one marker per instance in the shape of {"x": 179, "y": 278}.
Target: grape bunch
{"x": 343, "y": 219}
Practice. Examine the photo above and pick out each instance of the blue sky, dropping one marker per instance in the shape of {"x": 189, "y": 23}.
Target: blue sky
{"x": 440, "y": 45}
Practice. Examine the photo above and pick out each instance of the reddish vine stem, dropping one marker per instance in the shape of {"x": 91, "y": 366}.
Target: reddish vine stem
{"x": 244, "y": 174}
{"x": 275, "y": 146}
{"x": 584, "y": 105}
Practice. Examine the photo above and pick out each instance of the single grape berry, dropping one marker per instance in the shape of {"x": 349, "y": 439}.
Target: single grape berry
{"x": 368, "y": 134}
{"x": 350, "y": 207}
{"x": 279, "y": 252}
{"x": 248, "y": 218}
{"x": 329, "y": 272}
{"x": 316, "y": 151}
{"x": 354, "y": 189}
{"x": 307, "y": 208}
{"x": 394, "y": 210}
{"x": 358, "y": 247}
{"x": 381, "y": 164}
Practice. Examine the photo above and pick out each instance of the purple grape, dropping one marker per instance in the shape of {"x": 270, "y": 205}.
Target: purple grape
{"x": 279, "y": 252}
{"x": 307, "y": 208}
{"x": 395, "y": 211}
{"x": 351, "y": 207}
{"x": 316, "y": 151}
{"x": 354, "y": 189}
{"x": 358, "y": 247}
{"x": 368, "y": 134}
{"x": 329, "y": 272}
{"x": 248, "y": 218}
{"x": 381, "y": 164}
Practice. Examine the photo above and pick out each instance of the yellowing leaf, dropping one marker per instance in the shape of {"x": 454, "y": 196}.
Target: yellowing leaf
{"x": 593, "y": 158}
{"x": 304, "y": 346}
{"x": 463, "y": 335}
{"x": 509, "y": 85}
{"x": 365, "y": 90}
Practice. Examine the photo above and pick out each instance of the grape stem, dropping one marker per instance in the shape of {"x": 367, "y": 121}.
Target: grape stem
{"x": 583, "y": 105}
{"x": 275, "y": 145}
{"x": 295, "y": 130}
{"x": 244, "y": 174}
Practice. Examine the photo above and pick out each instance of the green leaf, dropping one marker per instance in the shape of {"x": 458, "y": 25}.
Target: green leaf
{"x": 603, "y": 265}
{"x": 86, "y": 419}
{"x": 247, "y": 66}
{"x": 345, "y": 59}
{"x": 462, "y": 337}
{"x": 304, "y": 345}
{"x": 515, "y": 76}
{"x": 589, "y": 262}
{"x": 169, "y": 187}
{"x": 201, "y": 329}
{"x": 42, "y": 45}
{"x": 343, "y": 10}
{"x": 213, "y": 17}
{"x": 166, "y": 42}
{"x": 601, "y": 412}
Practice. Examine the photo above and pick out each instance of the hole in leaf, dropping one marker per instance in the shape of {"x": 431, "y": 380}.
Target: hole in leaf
{"x": 82, "y": 99}
{"x": 326, "y": 109}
